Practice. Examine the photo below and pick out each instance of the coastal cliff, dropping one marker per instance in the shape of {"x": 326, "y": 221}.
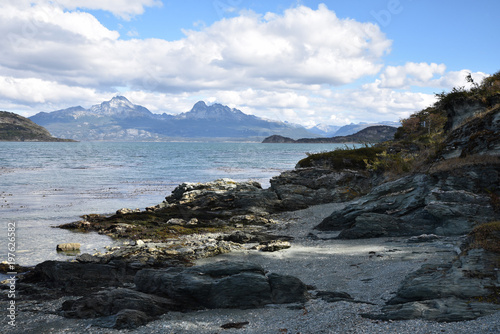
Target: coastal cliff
{"x": 14, "y": 127}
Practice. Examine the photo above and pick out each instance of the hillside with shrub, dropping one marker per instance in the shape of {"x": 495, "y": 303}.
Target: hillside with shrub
{"x": 456, "y": 127}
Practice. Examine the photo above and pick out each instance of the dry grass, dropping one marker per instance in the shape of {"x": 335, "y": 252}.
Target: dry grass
{"x": 470, "y": 160}
{"x": 487, "y": 236}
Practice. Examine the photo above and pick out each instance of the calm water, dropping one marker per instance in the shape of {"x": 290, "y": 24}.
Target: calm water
{"x": 47, "y": 184}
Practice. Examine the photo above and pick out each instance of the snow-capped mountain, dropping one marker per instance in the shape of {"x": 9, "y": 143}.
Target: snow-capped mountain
{"x": 119, "y": 119}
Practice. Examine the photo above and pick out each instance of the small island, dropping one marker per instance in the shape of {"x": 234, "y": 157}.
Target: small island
{"x": 14, "y": 127}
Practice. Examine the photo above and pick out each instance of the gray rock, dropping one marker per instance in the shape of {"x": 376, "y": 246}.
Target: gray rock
{"x": 448, "y": 292}
{"x": 68, "y": 247}
{"x": 423, "y": 238}
{"x": 442, "y": 204}
{"x": 221, "y": 285}
{"x": 78, "y": 278}
{"x": 124, "y": 319}
{"x": 300, "y": 188}
{"x": 442, "y": 310}
{"x": 273, "y": 246}
{"x": 223, "y": 198}
{"x": 111, "y": 302}
{"x": 287, "y": 289}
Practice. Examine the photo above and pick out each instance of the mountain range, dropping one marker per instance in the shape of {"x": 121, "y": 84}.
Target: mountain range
{"x": 120, "y": 120}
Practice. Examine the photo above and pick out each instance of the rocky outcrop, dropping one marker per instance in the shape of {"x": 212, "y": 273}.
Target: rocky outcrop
{"x": 222, "y": 285}
{"x": 479, "y": 136}
{"x": 300, "y": 188}
{"x": 76, "y": 278}
{"x": 443, "y": 204}
{"x": 217, "y": 285}
{"x": 68, "y": 247}
{"x": 222, "y": 198}
{"x": 464, "y": 289}
{"x": 459, "y": 191}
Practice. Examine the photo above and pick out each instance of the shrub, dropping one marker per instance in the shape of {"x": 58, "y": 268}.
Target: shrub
{"x": 343, "y": 158}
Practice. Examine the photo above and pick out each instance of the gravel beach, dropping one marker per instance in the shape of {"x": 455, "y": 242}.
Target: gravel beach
{"x": 370, "y": 270}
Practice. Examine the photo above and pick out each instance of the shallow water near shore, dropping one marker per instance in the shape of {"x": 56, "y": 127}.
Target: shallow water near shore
{"x": 46, "y": 184}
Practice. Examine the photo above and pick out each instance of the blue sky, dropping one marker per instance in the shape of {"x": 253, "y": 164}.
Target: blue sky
{"x": 308, "y": 62}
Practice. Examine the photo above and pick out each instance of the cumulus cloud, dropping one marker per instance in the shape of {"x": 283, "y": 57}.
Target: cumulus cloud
{"x": 301, "y": 46}
{"x": 425, "y": 75}
{"x": 289, "y": 66}
{"x": 125, "y": 9}
{"x": 411, "y": 74}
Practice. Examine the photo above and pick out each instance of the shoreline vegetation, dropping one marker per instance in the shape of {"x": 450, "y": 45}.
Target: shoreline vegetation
{"x": 402, "y": 235}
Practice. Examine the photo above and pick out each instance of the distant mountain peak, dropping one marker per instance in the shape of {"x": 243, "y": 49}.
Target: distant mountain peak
{"x": 119, "y": 105}
{"x": 200, "y": 105}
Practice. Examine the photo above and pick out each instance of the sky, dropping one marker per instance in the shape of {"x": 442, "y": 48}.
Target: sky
{"x": 306, "y": 62}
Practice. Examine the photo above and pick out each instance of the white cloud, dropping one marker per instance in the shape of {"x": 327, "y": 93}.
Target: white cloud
{"x": 411, "y": 74}
{"x": 125, "y": 9}
{"x": 426, "y": 75}
{"x": 286, "y": 67}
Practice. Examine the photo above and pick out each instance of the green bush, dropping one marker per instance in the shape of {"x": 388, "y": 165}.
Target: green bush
{"x": 343, "y": 158}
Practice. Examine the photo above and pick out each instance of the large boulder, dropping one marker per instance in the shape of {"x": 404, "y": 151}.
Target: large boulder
{"x": 222, "y": 285}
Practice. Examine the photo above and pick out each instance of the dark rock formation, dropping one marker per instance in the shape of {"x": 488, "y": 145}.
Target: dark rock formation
{"x": 457, "y": 291}
{"x": 223, "y": 198}
{"x": 443, "y": 204}
{"x": 479, "y": 136}
{"x": 300, "y": 188}
{"x": 78, "y": 278}
{"x": 221, "y": 285}
{"x": 218, "y": 285}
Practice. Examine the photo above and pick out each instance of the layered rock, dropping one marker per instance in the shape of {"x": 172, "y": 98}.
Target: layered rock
{"x": 222, "y": 285}
{"x": 300, "y": 188}
{"x": 464, "y": 289}
{"x": 218, "y": 285}
{"x": 450, "y": 199}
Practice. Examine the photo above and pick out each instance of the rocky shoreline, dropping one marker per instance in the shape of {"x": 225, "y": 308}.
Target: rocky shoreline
{"x": 323, "y": 250}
